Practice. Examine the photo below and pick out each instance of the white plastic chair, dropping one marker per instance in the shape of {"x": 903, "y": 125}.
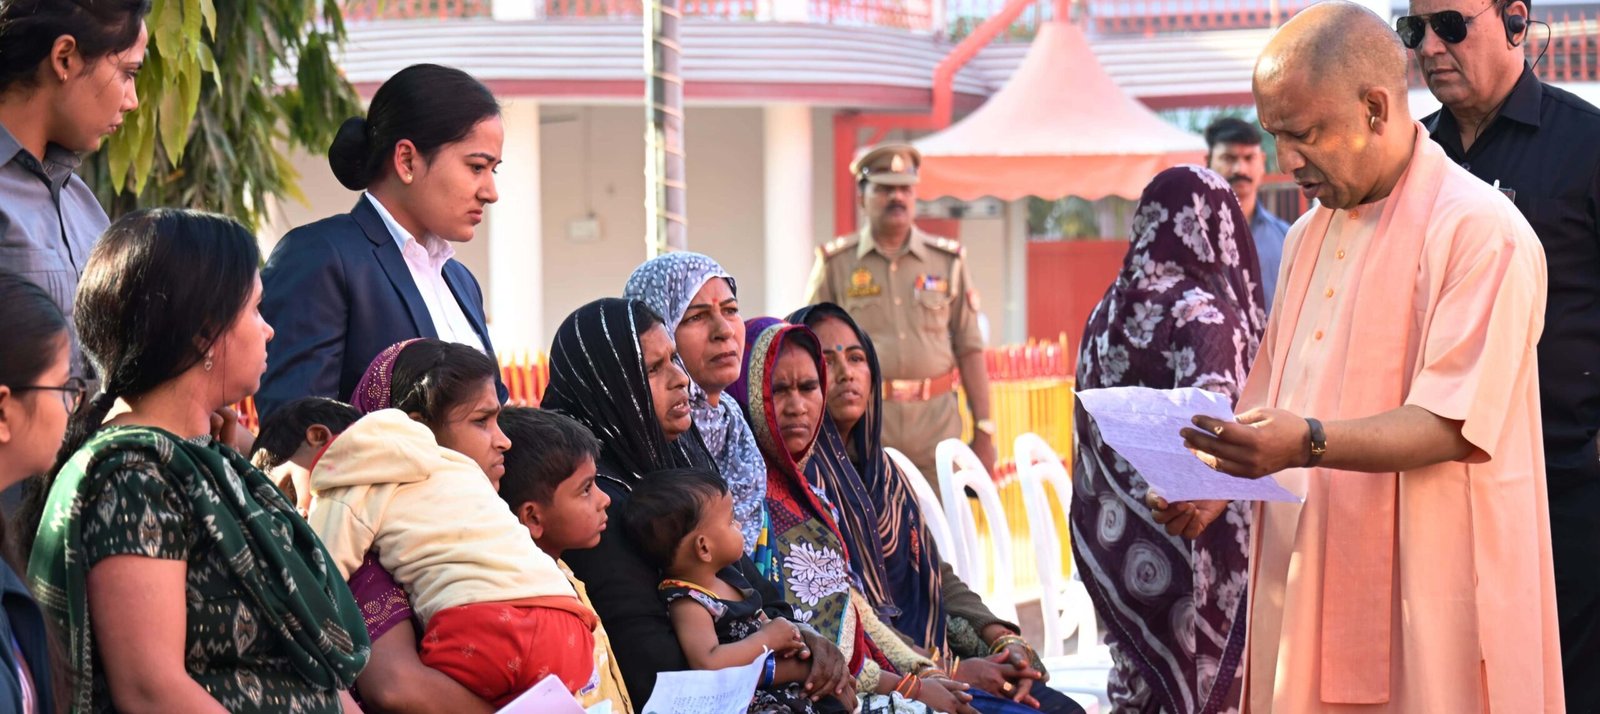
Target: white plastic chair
{"x": 960, "y": 469}
{"x": 1083, "y": 673}
{"x": 928, "y": 502}
{"x": 1065, "y": 600}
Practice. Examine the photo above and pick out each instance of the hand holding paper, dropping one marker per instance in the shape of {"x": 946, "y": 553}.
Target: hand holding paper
{"x": 1260, "y": 443}
{"x": 1145, "y": 425}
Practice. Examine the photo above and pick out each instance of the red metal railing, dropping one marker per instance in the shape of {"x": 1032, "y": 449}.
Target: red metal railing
{"x": 916, "y": 15}
{"x": 416, "y": 9}
{"x": 1570, "y": 47}
{"x": 955, "y": 17}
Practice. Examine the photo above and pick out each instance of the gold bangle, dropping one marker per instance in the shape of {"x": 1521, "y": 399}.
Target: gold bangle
{"x": 1005, "y": 641}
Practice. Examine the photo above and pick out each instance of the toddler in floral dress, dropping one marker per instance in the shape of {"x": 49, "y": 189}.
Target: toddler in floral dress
{"x": 683, "y": 521}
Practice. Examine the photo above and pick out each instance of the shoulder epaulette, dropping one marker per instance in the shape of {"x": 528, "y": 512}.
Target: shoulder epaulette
{"x": 947, "y": 245}
{"x": 839, "y": 245}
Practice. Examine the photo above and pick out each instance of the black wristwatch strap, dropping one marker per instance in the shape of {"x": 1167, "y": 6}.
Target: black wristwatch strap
{"x": 1319, "y": 442}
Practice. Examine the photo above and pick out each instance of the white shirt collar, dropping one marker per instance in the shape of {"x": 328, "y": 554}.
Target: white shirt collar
{"x": 438, "y": 250}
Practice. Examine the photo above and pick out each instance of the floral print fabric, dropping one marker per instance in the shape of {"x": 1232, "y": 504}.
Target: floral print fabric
{"x": 1187, "y": 310}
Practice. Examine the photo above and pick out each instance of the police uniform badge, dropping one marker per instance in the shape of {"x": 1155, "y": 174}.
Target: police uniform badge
{"x": 862, "y": 285}
{"x": 932, "y": 284}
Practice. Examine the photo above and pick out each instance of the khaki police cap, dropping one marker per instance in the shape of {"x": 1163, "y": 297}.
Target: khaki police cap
{"x": 889, "y": 165}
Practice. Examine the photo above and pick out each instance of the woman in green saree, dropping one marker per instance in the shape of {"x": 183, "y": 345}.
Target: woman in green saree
{"x": 179, "y": 576}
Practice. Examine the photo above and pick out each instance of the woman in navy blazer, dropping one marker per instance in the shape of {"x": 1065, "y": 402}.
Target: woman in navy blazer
{"x": 342, "y": 289}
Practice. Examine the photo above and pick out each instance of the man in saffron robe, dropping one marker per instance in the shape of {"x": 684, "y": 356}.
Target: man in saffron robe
{"x": 1396, "y": 391}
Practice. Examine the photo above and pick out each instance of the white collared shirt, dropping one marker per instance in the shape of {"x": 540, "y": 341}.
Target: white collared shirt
{"x": 426, "y": 259}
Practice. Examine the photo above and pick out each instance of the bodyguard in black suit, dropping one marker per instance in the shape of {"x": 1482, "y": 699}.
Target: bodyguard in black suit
{"x": 342, "y": 289}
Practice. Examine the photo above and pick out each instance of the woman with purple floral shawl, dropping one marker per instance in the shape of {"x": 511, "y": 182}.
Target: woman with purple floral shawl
{"x": 1186, "y": 311}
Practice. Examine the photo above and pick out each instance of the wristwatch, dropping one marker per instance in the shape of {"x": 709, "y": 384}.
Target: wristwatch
{"x": 988, "y": 426}
{"x": 1319, "y": 442}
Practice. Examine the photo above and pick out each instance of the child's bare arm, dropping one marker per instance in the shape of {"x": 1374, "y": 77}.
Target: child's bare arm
{"x": 697, "y": 633}
{"x": 791, "y": 670}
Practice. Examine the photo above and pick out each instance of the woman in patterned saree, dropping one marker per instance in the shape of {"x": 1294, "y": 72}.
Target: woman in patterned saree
{"x": 812, "y": 542}
{"x": 613, "y": 368}
{"x": 180, "y": 577}
{"x": 936, "y": 611}
{"x": 1186, "y": 311}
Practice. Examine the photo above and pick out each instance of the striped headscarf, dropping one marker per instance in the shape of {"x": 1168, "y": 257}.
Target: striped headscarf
{"x": 597, "y": 376}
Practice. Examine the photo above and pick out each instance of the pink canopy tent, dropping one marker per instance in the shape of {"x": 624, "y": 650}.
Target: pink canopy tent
{"x": 1060, "y": 127}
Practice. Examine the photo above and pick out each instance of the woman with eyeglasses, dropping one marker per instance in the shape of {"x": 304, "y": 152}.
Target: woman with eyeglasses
{"x": 178, "y": 576}
{"x": 37, "y": 394}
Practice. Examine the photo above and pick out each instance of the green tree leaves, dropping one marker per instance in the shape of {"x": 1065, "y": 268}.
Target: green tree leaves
{"x": 213, "y": 123}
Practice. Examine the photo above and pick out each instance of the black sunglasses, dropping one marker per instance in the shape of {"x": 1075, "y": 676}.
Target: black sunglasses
{"x": 1449, "y": 25}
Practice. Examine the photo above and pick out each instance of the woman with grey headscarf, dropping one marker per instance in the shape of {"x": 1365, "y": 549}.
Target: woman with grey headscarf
{"x": 700, "y": 304}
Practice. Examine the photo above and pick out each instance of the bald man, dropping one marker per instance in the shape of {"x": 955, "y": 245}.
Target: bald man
{"x": 1396, "y": 392}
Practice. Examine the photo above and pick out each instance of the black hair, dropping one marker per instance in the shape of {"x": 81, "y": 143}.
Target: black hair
{"x": 666, "y": 506}
{"x": 432, "y": 378}
{"x": 1231, "y": 130}
{"x": 143, "y": 317}
{"x": 34, "y": 330}
{"x": 30, "y": 28}
{"x": 284, "y": 430}
{"x": 644, "y": 317}
{"x": 547, "y": 447}
{"x": 429, "y": 104}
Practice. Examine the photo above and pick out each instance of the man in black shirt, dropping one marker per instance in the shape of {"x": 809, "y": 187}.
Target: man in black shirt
{"x": 1539, "y": 145}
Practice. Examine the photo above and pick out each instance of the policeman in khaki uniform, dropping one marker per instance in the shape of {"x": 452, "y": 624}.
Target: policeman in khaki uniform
{"x": 910, "y": 292}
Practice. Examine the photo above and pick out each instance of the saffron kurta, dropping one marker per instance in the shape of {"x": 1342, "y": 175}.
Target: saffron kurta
{"x": 1429, "y": 590}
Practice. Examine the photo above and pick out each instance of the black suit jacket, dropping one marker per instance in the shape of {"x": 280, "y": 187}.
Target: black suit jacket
{"x": 338, "y": 292}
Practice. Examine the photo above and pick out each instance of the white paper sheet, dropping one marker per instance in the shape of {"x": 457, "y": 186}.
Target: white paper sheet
{"x": 549, "y": 696}
{"x": 1142, "y": 425}
{"x": 722, "y": 691}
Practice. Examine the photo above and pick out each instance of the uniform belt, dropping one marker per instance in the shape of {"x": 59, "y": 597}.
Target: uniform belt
{"x": 921, "y": 390}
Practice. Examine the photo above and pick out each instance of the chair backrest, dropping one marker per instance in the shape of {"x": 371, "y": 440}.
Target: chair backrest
{"x": 928, "y": 502}
{"x": 1035, "y": 460}
{"x": 959, "y": 470}
{"x": 1066, "y": 602}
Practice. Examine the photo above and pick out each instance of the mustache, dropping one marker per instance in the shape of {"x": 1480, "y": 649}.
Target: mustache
{"x": 1240, "y": 177}
{"x": 896, "y": 204}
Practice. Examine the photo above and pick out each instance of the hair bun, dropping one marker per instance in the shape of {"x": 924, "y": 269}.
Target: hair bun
{"x": 347, "y": 155}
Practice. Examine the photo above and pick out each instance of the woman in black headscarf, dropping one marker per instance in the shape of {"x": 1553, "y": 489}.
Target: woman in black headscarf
{"x": 613, "y": 368}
